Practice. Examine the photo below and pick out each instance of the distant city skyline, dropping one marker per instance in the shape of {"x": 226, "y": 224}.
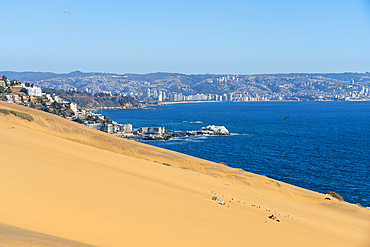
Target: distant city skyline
{"x": 190, "y": 37}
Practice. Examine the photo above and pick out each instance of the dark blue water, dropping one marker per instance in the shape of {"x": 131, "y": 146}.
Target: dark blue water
{"x": 321, "y": 146}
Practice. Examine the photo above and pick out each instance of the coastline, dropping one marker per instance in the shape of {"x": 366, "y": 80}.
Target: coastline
{"x": 185, "y": 102}
{"x": 300, "y": 124}
{"x": 164, "y": 103}
{"x": 94, "y": 188}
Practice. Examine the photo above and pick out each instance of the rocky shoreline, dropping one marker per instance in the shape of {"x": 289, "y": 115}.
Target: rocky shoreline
{"x": 209, "y": 130}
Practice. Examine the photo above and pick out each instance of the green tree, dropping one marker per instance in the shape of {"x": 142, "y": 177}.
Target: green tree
{"x": 14, "y": 82}
{"x": 79, "y": 120}
{"x": 39, "y": 100}
{"x": 107, "y": 119}
{"x": 56, "y": 105}
{"x": 46, "y": 109}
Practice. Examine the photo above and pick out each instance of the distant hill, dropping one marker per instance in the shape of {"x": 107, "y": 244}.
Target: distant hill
{"x": 293, "y": 86}
{"x": 33, "y": 76}
{"x": 347, "y": 76}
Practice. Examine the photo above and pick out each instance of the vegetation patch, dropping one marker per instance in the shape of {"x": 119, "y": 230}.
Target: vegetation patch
{"x": 276, "y": 183}
{"x": 166, "y": 164}
{"x": 335, "y": 195}
{"x": 222, "y": 163}
{"x": 86, "y": 99}
{"x": 17, "y": 114}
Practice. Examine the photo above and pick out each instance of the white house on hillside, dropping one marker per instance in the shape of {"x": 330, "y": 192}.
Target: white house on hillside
{"x": 73, "y": 107}
{"x": 34, "y": 91}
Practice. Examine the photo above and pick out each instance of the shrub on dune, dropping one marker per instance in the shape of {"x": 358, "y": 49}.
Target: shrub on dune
{"x": 17, "y": 114}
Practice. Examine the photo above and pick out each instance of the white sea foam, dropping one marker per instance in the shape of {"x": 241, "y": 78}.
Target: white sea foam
{"x": 196, "y": 122}
{"x": 237, "y": 134}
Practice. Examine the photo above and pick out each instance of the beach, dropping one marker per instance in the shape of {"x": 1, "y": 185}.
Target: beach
{"x": 64, "y": 184}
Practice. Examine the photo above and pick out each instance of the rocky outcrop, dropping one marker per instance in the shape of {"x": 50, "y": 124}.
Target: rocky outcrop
{"x": 209, "y": 130}
{"x": 215, "y": 130}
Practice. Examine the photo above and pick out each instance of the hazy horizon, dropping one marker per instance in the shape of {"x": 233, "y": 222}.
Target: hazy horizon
{"x": 187, "y": 37}
{"x": 166, "y": 72}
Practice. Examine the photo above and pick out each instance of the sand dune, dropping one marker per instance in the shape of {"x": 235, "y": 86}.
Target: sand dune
{"x": 63, "y": 184}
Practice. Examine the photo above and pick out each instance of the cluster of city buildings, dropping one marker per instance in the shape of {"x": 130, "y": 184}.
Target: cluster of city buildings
{"x": 110, "y": 128}
{"x": 175, "y": 97}
{"x": 226, "y": 97}
{"x": 355, "y": 94}
{"x": 173, "y": 87}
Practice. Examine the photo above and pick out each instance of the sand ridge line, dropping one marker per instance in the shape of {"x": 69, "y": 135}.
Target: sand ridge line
{"x": 14, "y": 236}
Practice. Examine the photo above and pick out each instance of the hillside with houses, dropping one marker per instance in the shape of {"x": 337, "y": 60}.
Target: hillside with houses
{"x": 63, "y": 104}
{"x": 171, "y": 87}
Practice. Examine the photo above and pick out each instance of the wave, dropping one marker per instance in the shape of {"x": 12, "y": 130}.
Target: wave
{"x": 196, "y": 122}
{"x": 180, "y": 141}
{"x": 238, "y": 134}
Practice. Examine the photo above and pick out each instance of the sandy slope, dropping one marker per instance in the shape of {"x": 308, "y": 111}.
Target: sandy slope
{"x": 63, "y": 184}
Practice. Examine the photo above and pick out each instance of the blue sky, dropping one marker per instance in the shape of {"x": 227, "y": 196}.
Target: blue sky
{"x": 191, "y": 37}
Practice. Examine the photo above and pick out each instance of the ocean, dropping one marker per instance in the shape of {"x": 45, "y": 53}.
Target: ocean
{"x": 321, "y": 146}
